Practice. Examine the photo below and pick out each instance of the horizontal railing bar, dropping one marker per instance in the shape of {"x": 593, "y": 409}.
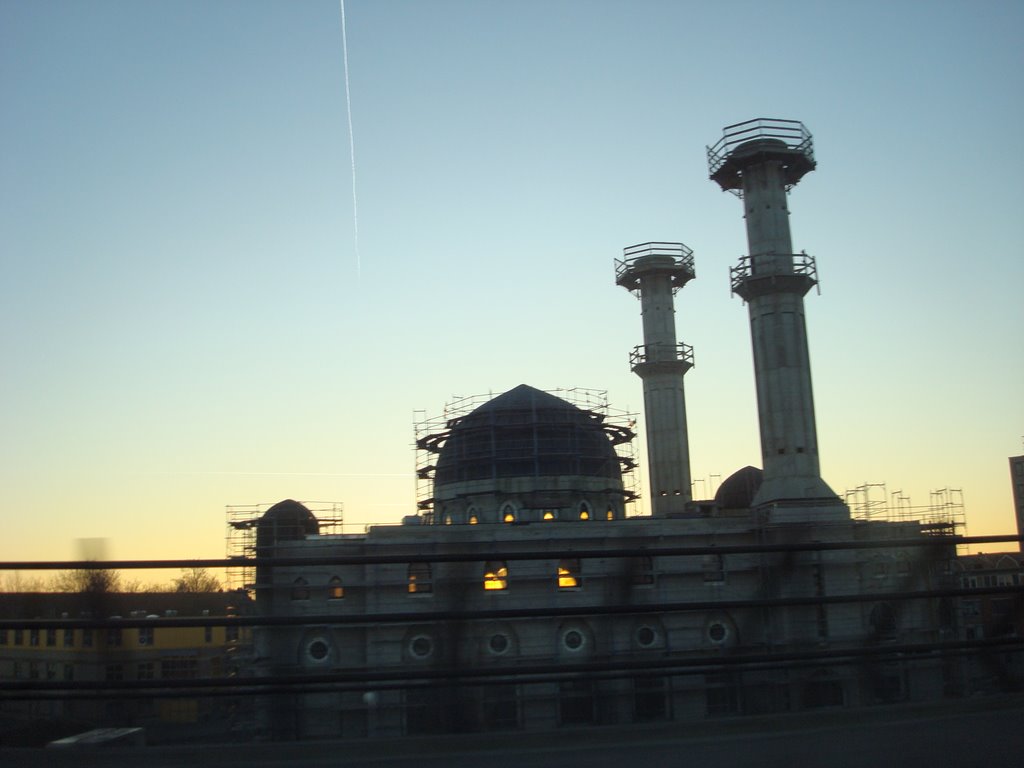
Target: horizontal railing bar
{"x": 493, "y": 554}
{"x": 402, "y": 617}
{"x": 405, "y": 677}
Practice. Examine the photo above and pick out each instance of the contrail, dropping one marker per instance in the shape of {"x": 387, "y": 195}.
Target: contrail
{"x": 351, "y": 141}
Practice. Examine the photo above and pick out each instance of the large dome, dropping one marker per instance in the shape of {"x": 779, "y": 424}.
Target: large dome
{"x": 526, "y": 433}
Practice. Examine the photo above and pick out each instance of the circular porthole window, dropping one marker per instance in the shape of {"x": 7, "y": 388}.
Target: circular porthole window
{"x": 499, "y": 644}
{"x": 421, "y": 646}
{"x": 318, "y": 649}
{"x": 573, "y": 640}
{"x": 718, "y": 632}
{"x": 646, "y": 636}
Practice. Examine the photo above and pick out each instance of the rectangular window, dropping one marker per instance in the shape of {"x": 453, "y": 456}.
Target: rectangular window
{"x": 720, "y": 695}
{"x": 19, "y": 637}
{"x": 33, "y": 637}
{"x": 87, "y": 638}
{"x": 3, "y": 637}
{"x": 500, "y": 707}
{"x": 495, "y": 575}
{"x": 641, "y": 571}
{"x": 114, "y": 673}
{"x": 576, "y": 702}
{"x": 114, "y": 637}
{"x": 714, "y": 569}
{"x": 207, "y": 634}
{"x": 179, "y": 668}
{"x": 51, "y": 637}
{"x": 69, "y": 638}
{"x": 420, "y": 579}
{"x": 145, "y": 671}
{"x": 146, "y": 635}
{"x": 422, "y": 714}
{"x": 69, "y": 672}
{"x": 649, "y": 699}
{"x": 569, "y": 573}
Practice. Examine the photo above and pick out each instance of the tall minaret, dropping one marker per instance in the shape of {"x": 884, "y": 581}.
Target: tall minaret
{"x": 760, "y": 160}
{"x": 654, "y": 272}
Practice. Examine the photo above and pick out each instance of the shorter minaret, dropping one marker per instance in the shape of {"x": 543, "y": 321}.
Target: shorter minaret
{"x": 654, "y": 272}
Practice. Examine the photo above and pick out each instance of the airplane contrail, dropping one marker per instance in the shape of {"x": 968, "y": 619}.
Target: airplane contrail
{"x": 351, "y": 141}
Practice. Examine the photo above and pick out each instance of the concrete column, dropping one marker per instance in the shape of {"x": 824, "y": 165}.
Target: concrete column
{"x": 774, "y": 294}
{"x": 661, "y": 362}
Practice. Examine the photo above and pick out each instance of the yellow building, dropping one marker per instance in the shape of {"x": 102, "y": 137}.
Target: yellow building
{"x": 118, "y": 637}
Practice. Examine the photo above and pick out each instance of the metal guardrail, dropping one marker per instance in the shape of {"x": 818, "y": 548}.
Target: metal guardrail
{"x": 792, "y": 133}
{"x": 661, "y": 353}
{"x": 803, "y": 266}
{"x": 682, "y": 257}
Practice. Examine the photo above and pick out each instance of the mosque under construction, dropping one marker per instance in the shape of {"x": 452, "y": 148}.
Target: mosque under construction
{"x": 525, "y": 594}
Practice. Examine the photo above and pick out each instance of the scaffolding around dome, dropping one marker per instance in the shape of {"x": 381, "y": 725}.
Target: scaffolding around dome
{"x": 483, "y": 443}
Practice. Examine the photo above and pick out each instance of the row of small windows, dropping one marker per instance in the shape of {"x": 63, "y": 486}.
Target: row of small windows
{"x": 335, "y": 589}
{"x": 168, "y": 669}
{"x": 495, "y": 578}
{"x": 88, "y": 638}
{"x": 510, "y": 514}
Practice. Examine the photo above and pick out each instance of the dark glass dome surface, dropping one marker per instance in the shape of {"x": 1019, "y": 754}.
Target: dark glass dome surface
{"x": 526, "y": 433}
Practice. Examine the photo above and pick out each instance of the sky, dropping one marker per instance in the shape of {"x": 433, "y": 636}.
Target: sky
{"x": 200, "y": 308}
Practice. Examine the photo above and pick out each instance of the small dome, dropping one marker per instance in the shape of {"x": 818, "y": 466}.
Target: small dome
{"x": 739, "y": 488}
{"x": 287, "y": 520}
{"x": 527, "y": 433}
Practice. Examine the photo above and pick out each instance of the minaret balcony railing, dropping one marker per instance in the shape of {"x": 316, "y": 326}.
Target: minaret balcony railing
{"x": 760, "y": 274}
{"x": 742, "y": 142}
{"x": 672, "y": 259}
{"x": 674, "y": 355}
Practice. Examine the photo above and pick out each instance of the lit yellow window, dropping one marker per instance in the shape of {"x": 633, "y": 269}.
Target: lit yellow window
{"x": 568, "y": 573}
{"x": 420, "y": 580}
{"x": 508, "y": 516}
{"x": 584, "y": 512}
{"x": 473, "y": 520}
{"x": 447, "y": 519}
{"x": 610, "y": 514}
{"x": 495, "y": 575}
{"x": 549, "y": 514}
{"x": 335, "y": 589}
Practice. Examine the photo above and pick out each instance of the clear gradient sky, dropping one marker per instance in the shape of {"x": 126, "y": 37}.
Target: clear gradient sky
{"x": 185, "y": 322}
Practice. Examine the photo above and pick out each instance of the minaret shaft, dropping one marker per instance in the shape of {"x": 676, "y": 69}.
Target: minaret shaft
{"x": 655, "y": 271}
{"x": 760, "y": 160}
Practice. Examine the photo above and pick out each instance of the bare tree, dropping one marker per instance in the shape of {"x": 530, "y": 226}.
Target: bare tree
{"x": 87, "y": 580}
{"x": 196, "y": 580}
{"x": 16, "y": 581}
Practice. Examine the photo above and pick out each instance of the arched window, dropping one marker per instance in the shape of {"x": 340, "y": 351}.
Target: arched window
{"x": 495, "y": 575}
{"x": 569, "y": 573}
{"x": 508, "y": 514}
{"x": 335, "y": 589}
{"x": 473, "y": 516}
{"x": 300, "y": 589}
{"x": 610, "y": 514}
{"x": 550, "y": 514}
{"x": 584, "y": 511}
{"x": 473, "y": 519}
{"x": 420, "y": 579}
